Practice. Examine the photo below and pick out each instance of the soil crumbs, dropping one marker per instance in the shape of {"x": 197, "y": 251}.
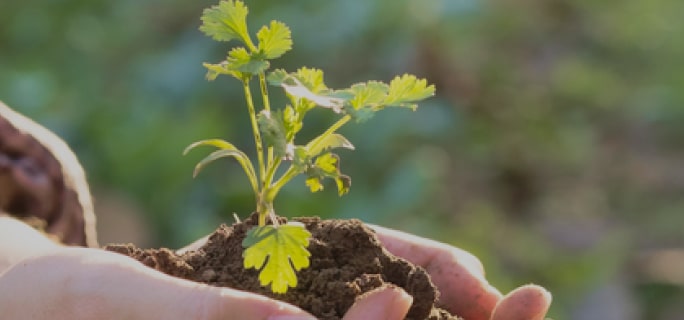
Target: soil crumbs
{"x": 347, "y": 260}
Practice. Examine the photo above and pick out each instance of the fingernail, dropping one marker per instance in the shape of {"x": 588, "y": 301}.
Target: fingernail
{"x": 291, "y": 317}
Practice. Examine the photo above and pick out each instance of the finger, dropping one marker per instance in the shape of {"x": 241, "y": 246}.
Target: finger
{"x": 224, "y": 303}
{"x": 421, "y": 251}
{"x": 530, "y": 302}
{"x": 458, "y": 274}
{"x": 384, "y": 303}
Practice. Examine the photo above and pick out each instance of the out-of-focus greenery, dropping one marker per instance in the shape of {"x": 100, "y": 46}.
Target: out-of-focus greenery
{"x": 554, "y": 149}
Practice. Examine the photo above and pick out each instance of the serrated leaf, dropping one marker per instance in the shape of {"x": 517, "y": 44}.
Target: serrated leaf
{"x": 272, "y": 128}
{"x": 405, "y": 90}
{"x": 226, "y": 21}
{"x": 226, "y": 149}
{"x": 292, "y": 122}
{"x": 274, "y": 40}
{"x": 312, "y": 78}
{"x": 296, "y": 89}
{"x": 241, "y": 60}
{"x": 328, "y": 164}
{"x": 277, "y": 77}
{"x": 214, "y": 70}
{"x": 306, "y": 84}
{"x": 360, "y": 115}
{"x": 323, "y": 143}
{"x": 370, "y": 94}
{"x": 277, "y": 251}
{"x": 314, "y": 184}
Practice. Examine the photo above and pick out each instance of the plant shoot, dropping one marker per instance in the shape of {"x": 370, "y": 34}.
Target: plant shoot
{"x": 278, "y": 251}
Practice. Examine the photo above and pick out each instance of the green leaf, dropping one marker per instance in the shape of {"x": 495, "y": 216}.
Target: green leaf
{"x": 273, "y": 131}
{"x": 360, "y": 115}
{"x": 327, "y": 142}
{"x": 274, "y": 40}
{"x": 327, "y": 166}
{"x": 226, "y": 21}
{"x": 296, "y": 89}
{"x": 306, "y": 84}
{"x": 300, "y": 158}
{"x": 214, "y": 70}
{"x": 370, "y": 94}
{"x": 314, "y": 184}
{"x": 312, "y": 79}
{"x": 277, "y": 77}
{"x": 241, "y": 60}
{"x": 226, "y": 149}
{"x": 284, "y": 246}
{"x": 404, "y": 91}
{"x": 292, "y": 122}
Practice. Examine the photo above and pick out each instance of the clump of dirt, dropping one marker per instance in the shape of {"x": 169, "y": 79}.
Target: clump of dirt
{"x": 347, "y": 260}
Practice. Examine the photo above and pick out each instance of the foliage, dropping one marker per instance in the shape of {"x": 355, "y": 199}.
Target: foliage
{"x": 275, "y": 250}
{"x": 271, "y": 249}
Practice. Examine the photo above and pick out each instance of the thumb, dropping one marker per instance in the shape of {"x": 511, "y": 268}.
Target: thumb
{"x": 530, "y": 302}
{"x": 384, "y": 303}
{"x": 225, "y": 303}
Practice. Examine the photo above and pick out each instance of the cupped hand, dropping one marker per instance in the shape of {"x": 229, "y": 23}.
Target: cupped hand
{"x": 56, "y": 282}
{"x": 460, "y": 278}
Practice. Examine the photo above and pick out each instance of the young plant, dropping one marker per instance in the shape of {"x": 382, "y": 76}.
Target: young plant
{"x": 279, "y": 250}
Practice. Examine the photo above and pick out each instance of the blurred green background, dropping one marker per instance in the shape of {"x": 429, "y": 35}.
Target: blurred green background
{"x": 554, "y": 149}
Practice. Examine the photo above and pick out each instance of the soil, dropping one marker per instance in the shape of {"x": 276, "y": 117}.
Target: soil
{"x": 347, "y": 260}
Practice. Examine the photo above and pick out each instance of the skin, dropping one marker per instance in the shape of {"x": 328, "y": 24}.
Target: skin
{"x": 460, "y": 278}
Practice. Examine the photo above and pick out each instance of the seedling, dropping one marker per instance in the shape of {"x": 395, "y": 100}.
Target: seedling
{"x": 275, "y": 249}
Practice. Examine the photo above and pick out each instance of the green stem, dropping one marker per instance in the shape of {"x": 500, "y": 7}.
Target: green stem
{"x": 264, "y": 91}
{"x": 330, "y": 131}
{"x": 270, "y": 174}
{"x": 273, "y": 190}
{"x": 267, "y": 107}
{"x": 248, "y": 41}
{"x": 257, "y": 135}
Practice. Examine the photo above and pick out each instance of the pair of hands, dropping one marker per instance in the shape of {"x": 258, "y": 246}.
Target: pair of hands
{"x": 59, "y": 282}
{"x": 42, "y": 280}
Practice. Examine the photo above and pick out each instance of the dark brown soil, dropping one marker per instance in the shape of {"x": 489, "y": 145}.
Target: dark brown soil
{"x": 347, "y": 261}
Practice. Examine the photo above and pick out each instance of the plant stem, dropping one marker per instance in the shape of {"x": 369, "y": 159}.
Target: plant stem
{"x": 267, "y": 107}
{"x": 257, "y": 134}
{"x": 273, "y": 189}
{"x": 330, "y": 130}
{"x": 270, "y": 174}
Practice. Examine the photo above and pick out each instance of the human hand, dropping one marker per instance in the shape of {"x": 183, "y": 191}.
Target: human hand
{"x": 82, "y": 283}
{"x": 460, "y": 278}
